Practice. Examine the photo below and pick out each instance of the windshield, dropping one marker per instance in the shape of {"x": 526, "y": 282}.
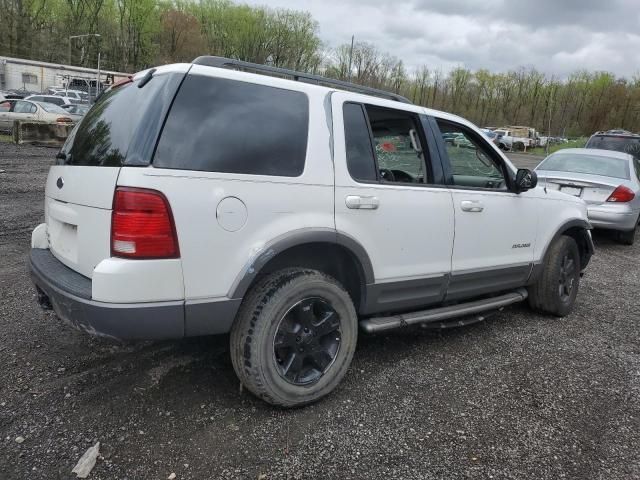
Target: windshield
{"x": 51, "y": 108}
{"x": 588, "y": 164}
{"x": 629, "y": 145}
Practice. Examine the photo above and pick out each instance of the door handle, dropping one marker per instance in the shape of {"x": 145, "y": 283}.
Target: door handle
{"x": 473, "y": 206}
{"x": 362, "y": 202}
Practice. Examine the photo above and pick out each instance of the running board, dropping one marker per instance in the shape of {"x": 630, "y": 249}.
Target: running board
{"x": 442, "y": 314}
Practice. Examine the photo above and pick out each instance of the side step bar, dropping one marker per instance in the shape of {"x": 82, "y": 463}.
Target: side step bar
{"x": 442, "y": 314}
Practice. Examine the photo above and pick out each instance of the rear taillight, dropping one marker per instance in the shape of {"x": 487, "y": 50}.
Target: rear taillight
{"x": 142, "y": 225}
{"x": 64, "y": 120}
{"x": 621, "y": 194}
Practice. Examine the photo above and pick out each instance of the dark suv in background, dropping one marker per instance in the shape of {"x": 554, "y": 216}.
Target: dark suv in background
{"x": 618, "y": 140}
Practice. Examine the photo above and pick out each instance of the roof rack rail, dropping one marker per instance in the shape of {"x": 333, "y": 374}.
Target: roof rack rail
{"x": 222, "y": 62}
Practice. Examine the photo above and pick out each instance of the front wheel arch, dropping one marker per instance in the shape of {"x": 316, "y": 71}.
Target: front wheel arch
{"x": 580, "y": 231}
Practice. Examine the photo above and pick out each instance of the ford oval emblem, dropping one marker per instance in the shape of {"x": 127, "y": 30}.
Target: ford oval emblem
{"x": 60, "y": 182}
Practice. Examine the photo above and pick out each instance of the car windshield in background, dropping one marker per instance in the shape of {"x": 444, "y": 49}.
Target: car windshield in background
{"x": 490, "y": 133}
{"x": 51, "y": 108}
{"x": 588, "y": 164}
{"x": 618, "y": 143}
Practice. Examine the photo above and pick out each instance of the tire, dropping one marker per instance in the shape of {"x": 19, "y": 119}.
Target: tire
{"x": 629, "y": 237}
{"x": 264, "y": 351}
{"x": 549, "y": 293}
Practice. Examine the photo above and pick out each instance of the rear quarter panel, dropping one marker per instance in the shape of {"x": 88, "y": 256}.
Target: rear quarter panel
{"x": 213, "y": 257}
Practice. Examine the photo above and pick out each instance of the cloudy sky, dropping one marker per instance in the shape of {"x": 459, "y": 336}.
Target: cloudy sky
{"x": 554, "y": 36}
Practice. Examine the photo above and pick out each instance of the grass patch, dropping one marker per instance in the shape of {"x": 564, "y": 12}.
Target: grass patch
{"x": 576, "y": 143}
{"x": 5, "y": 138}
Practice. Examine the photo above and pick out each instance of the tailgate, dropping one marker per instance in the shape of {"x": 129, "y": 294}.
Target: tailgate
{"x": 78, "y": 204}
{"x": 121, "y": 129}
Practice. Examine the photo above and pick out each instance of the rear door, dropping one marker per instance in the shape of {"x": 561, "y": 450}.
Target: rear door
{"x": 120, "y": 130}
{"x": 386, "y": 199}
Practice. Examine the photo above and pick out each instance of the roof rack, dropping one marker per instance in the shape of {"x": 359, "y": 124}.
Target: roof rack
{"x": 222, "y": 62}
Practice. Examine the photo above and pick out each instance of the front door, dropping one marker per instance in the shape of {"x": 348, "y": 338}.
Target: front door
{"x": 386, "y": 200}
{"x": 495, "y": 230}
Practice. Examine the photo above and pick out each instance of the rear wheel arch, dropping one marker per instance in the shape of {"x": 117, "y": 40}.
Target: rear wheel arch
{"x": 334, "y": 254}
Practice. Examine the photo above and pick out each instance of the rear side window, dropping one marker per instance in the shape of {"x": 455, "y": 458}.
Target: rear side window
{"x": 221, "y": 125}
{"x": 360, "y": 160}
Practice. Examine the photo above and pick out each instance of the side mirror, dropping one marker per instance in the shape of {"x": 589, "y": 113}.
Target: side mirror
{"x": 525, "y": 180}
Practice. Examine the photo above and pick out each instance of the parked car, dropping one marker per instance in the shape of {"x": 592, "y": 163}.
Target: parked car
{"x": 13, "y": 95}
{"x": 76, "y": 111}
{"x": 507, "y": 140}
{"x": 490, "y": 134}
{"x": 74, "y": 95}
{"x": 55, "y": 99}
{"x": 12, "y": 110}
{"x": 199, "y": 199}
{"x": 617, "y": 140}
{"x": 608, "y": 181}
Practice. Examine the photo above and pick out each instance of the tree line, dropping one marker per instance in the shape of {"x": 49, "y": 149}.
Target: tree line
{"x": 135, "y": 34}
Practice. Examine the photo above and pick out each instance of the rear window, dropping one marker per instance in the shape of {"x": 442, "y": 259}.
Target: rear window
{"x": 122, "y": 127}
{"x": 54, "y": 100}
{"x": 221, "y": 125}
{"x": 629, "y": 145}
{"x": 51, "y": 108}
{"x": 589, "y": 164}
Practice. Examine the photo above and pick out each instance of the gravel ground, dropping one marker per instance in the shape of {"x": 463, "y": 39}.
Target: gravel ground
{"x": 518, "y": 396}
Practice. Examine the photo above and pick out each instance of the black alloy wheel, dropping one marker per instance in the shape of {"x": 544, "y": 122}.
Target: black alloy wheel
{"x": 307, "y": 341}
{"x": 567, "y": 277}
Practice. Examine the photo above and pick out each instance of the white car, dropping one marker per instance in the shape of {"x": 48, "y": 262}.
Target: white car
{"x": 197, "y": 199}
{"x": 73, "y": 95}
{"x": 55, "y": 99}
{"x": 12, "y": 110}
{"x": 607, "y": 180}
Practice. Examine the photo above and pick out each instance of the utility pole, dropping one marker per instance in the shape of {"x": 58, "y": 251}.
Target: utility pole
{"x": 351, "y": 55}
{"x": 71, "y": 37}
{"x": 98, "y": 80}
{"x": 549, "y": 130}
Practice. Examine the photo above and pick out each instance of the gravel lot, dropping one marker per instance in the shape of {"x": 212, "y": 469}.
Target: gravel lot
{"x": 519, "y": 396}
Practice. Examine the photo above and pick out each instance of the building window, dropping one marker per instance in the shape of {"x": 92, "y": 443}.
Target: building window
{"x": 29, "y": 78}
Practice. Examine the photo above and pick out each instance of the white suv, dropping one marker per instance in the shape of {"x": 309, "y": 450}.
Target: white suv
{"x": 214, "y": 197}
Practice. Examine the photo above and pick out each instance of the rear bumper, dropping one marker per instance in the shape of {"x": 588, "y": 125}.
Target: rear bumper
{"x": 69, "y": 294}
{"x": 614, "y": 217}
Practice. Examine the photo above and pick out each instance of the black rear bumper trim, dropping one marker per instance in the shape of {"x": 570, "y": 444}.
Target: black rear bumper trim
{"x": 126, "y": 321}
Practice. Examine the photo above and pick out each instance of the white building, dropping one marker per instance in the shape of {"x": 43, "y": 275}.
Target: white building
{"x": 34, "y": 76}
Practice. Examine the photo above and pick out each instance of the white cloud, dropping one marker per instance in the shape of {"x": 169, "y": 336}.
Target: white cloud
{"x": 556, "y": 37}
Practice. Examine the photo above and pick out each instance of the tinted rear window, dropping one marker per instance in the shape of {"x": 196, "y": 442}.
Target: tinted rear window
{"x": 360, "y": 160}
{"x": 589, "y": 164}
{"x": 221, "y": 125}
{"x": 122, "y": 127}
{"x": 629, "y": 145}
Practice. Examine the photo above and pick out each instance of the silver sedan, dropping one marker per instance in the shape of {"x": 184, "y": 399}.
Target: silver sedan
{"x": 608, "y": 181}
